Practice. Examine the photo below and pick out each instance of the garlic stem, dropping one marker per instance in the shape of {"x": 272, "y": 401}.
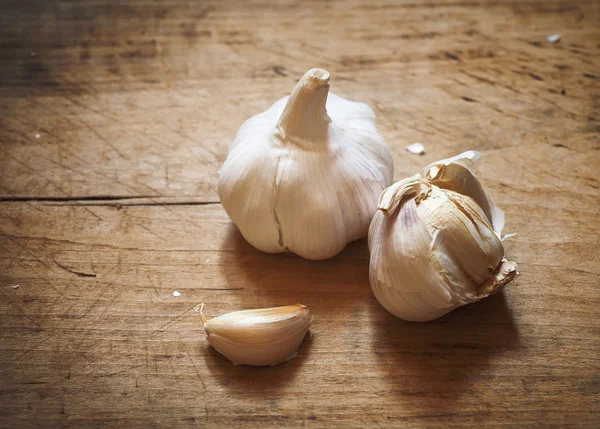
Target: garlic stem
{"x": 305, "y": 115}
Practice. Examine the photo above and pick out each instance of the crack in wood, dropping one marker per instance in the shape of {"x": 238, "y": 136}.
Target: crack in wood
{"x": 101, "y": 200}
{"x": 11, "y": 199}
{"x": 120, "y": 205}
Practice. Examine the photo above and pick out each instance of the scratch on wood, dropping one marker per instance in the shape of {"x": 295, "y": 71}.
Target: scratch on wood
{"x": 145, "y": 228}
{"x": 201, "y": 381}
{"x": 160, "y": 330}
{"x": 32, "y": 348}
{"x": 77, "y": 273}
{"x": 14, "y": 240}
{"x": 280, "y": 70}
{"x": 535, "y": 76}
{"x": 153, "y": 285}
{"x": 452, "y": 56}
{"x": 97, "y": 134}
{"x": 21, "y": 311}
{"x": 380, "y": 110}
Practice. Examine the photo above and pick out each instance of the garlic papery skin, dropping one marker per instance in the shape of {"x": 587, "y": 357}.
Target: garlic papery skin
{"x": 305, "y": 175}
{"x": 259, "y": 337}
{"x": 433, "y": 248}
{"x": 454, "y": 174}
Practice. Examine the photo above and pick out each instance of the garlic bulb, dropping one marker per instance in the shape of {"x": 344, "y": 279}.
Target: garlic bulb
{"x": 305, "y": 175}
{"x": 258, "y": 337}
{"x": 435, "y": 243}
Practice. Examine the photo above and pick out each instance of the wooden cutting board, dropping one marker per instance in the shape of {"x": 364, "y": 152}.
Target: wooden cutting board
{"x": 114, "y": 120}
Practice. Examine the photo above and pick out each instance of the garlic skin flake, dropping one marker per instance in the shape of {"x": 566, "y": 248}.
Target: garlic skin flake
{"x": 435, "y": 243}
{"x": 305, "y": 175}
{"x": 260, "y": 337}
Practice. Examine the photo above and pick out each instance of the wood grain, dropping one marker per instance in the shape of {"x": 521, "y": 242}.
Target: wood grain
{"x": 113, "y": 206}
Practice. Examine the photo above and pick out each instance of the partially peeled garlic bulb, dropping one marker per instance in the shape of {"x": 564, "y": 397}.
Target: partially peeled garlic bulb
{"x": 258, "y": 337}
{"x": 435, "y": 243}
{"x": 305, "y": 175}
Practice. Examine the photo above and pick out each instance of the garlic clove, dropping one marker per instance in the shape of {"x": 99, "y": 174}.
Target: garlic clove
{"x": 400, "y": 257}
{"x": 338, "y": 201}
{"x": 454, "y": 174}
{"x": 469, "y": 238}
{"x": 245, "y": 198}
{"x": 392, "y": 196}
{"x": 259, "y": 337}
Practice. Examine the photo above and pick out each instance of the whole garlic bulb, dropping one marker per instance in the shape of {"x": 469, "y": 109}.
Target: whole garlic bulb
{"x": 266, "y": 336}
{"x": 305, "y": 175}
{"x": 435, "y": 243}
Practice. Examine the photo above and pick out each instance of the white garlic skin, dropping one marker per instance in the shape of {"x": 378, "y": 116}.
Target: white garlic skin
{"x": 305, "y": 175}
{"x": 434, "y": 249}
{"x": 259, "y": 337}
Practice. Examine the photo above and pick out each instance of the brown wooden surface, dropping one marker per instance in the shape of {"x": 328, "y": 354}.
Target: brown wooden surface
{"x": 114, "y": 207}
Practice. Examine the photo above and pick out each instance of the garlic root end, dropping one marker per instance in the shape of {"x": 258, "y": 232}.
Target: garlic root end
{"x": 504, "y": 274}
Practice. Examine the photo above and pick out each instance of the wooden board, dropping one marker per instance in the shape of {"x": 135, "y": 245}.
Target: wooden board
{"x": 114, "y": 120}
